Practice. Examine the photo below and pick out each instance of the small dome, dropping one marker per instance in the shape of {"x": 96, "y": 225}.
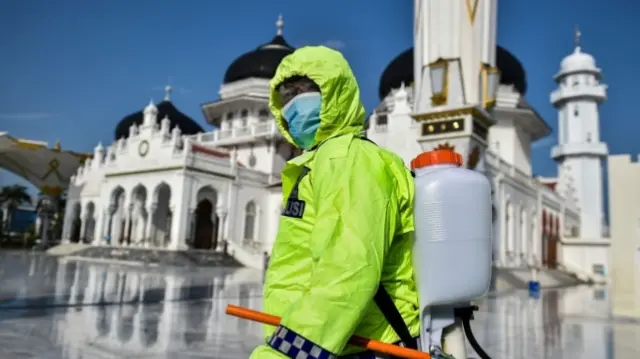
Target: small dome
{"x": 577, "y": 61}
{"x": 151, "y": 107}
{"x": 261, "y": 62}
{"x": 401, "y": 70}
{"x": 164, "y": 108}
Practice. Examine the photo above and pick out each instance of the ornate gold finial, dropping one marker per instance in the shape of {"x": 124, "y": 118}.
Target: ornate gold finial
{"x": 445, "y": 146}
{"x": 577, "y": 35}
{"x": 56, "y": 147}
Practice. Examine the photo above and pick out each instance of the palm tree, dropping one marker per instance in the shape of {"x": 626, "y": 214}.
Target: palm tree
{"x": 12, "y": 197}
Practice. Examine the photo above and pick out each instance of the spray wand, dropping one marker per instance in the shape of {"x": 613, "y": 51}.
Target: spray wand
{"x": 370, "y": 344}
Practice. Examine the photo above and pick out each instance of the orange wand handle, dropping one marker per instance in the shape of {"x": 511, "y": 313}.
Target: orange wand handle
{"x": 369, "y": 344}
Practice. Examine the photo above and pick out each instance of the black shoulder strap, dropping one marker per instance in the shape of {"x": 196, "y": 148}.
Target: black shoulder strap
{"x": 390, "y": 311}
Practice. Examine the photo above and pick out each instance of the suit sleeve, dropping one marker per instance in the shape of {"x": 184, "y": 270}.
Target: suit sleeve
{"x": 355, "y": 222}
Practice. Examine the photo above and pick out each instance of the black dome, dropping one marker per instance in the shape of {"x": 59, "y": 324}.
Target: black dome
{"x": 401, "y": 70}
{"x": 261, "y": 62}
{"x": 165, "y": 108}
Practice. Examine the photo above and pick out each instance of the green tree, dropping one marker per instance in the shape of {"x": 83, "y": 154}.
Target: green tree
{"x": 12, "y": 197}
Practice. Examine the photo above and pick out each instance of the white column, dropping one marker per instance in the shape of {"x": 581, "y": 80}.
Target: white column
{"x": 180, "y": 212}
{"x": 191, "y": 222}
{"x": 101, "y": 216}
{"x": 222, "y": 217}
{"x": 127, "y": 224}
{"x": 148, "y": 231}
{"x": 83, "y": 224}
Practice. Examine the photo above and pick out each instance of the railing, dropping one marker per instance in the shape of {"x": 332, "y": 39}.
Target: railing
{"x": 254, "y": 130}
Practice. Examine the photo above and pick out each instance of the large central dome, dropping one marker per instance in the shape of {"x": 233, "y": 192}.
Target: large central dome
{"x": 261, "y": 62}
{"x": 401, "y": 70}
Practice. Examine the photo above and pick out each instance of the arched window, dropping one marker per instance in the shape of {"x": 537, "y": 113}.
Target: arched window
{"x": 249, "y": 221}
{"x": 244, "y": 115}
{"x": 263, "y": 115}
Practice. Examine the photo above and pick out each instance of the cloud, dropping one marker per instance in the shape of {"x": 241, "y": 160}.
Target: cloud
{"x": 546, "y": 142}
{"x": 26, "y": 116}
{"x": 335, "y": 44}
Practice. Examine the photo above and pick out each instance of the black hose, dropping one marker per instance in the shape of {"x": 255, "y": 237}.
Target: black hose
{"x": 466, "y": 314}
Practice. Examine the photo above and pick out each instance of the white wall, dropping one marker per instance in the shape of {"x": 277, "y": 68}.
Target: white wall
{"x": 624, "y": 207}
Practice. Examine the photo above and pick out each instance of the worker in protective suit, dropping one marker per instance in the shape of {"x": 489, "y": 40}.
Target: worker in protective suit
{"x": 346, "y": 230}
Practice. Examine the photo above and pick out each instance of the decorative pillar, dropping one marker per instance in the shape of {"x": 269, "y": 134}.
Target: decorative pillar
{"x": 99, "y": 226}
{"x": 191, "y": 237}
{"x": 83, "y": 223}
{"x": 66, "y": 225}
{"x": 126, "y": 238}
{"x": 222, "y": 219}
{"x": 111, "y": 210}
{"x": 180, "y": 212}
{"x": 148, "y": 231}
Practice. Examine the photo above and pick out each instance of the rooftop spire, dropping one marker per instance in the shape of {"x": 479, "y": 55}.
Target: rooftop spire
{"x": 167, "y": 92}
{"x": 577, "y": 35}
{"x": 279, "y": 25}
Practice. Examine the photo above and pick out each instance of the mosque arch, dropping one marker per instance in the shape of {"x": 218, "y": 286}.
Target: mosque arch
{"x": 204, "y": 220}
{"x": 162, "y": 216}
{"x": 76, "y": 223}
{"x": 250, "y": 221}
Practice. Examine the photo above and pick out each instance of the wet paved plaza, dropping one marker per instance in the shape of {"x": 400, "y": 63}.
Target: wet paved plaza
{"x": 57, "y": 309}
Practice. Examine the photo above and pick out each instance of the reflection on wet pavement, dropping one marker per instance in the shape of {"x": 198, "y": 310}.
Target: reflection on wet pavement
{"x": 63, "y": 309}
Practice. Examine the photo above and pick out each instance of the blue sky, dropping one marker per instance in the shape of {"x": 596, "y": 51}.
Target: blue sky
{"x": 72, "y": 70}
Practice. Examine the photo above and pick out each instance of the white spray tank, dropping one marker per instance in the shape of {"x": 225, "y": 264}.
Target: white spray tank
{"x": 452, "y": 252}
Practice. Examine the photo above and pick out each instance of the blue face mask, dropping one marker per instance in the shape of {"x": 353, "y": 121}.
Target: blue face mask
{"x": 302, "y": 114}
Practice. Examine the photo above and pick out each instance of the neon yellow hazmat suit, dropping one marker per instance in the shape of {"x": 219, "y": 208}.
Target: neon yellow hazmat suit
{"x": 351, "y": 231}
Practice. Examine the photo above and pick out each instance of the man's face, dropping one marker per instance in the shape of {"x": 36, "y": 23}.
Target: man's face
{"x": 295, "y": 86}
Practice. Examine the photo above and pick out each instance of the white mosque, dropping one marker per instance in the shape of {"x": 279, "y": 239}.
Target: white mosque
{"x": 166, "y": 183}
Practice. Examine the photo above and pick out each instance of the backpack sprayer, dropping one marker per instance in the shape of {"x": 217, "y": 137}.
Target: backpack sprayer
{"x": 451, "y": 258}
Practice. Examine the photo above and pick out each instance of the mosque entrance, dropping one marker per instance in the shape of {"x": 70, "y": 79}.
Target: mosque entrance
{"x": 205, "y": 231}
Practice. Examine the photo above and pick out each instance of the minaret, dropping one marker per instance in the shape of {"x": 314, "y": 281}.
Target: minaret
{"x": 580, "y": 152}
{"x": 456, "y": 80}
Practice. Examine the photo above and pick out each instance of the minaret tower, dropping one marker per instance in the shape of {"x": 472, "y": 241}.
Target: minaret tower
{"x": 456, "y": 79}
{"x": 580, "y": 152}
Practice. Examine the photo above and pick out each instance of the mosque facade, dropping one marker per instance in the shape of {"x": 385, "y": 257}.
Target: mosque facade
{"x": 166, "y": 183}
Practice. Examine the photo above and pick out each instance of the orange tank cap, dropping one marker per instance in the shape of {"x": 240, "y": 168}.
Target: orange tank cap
{"x": 437, "y": 157}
